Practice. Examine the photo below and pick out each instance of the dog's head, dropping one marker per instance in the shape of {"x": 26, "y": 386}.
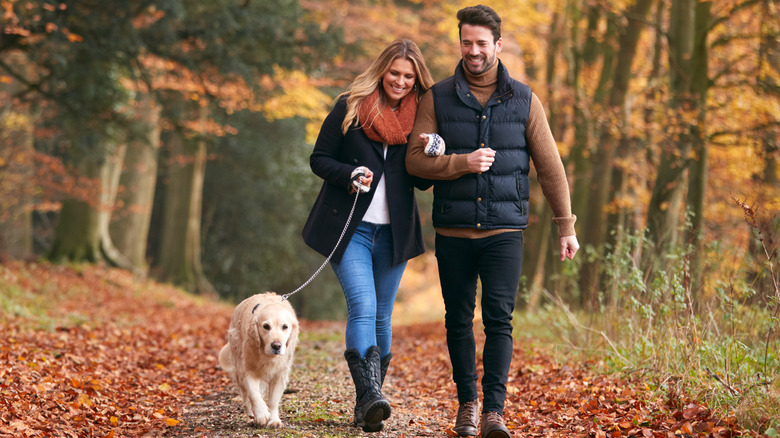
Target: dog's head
{"x": 277, "y": 328}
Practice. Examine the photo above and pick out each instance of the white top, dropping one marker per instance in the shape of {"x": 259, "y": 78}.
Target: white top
{"x": 378, "y": 212}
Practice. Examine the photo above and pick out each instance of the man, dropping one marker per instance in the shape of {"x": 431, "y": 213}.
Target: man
{"x": 492, "y": 126}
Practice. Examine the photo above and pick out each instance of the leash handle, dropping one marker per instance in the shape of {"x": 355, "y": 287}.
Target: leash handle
{"x": 343, "y": 232}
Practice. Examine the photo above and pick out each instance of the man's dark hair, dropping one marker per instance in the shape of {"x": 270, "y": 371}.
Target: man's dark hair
{"x": 480, "y": 15}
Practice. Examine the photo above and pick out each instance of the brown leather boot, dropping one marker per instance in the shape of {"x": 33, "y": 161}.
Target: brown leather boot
{"x": 493, "y": 426}
{"x": 468, "y": 417}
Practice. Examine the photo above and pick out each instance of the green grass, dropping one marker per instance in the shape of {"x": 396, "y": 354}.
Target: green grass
{"x": 16, "y": 303}
{"x": 718, "y": 344}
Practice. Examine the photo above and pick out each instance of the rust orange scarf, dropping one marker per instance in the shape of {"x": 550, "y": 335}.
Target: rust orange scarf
{"x": 383, "y": 124}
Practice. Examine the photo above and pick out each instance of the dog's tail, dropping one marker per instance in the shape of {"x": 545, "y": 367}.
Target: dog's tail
{"x": 226, "y": 359}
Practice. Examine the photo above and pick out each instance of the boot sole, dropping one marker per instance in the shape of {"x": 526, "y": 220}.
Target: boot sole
{"x": 497, "y": 434}
{"x": 376, "y": 413}
{"x": 373, "y": 427}
{"x": 466, "y": 431}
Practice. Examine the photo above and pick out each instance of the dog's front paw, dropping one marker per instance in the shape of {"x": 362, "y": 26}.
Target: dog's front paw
{"x": 262, "y": 419}
{"x": 274, "y": 423}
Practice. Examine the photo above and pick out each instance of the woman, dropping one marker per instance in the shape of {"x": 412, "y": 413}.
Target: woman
{"x": 363, "y": 143}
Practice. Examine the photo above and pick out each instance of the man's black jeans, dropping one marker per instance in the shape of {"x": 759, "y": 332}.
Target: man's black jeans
{"x": 496, "y": 261}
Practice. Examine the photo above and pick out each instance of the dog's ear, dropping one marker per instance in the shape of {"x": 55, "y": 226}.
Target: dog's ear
{"x": 292, "y": 341}
{"x": 257, "y": 323}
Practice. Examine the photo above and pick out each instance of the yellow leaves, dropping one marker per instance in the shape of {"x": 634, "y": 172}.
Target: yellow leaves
{"x": 294, "y": 94}
{"x": 160, "y": 413}
{"x": 84, "y": 400}
{"x": 13, "y": 120}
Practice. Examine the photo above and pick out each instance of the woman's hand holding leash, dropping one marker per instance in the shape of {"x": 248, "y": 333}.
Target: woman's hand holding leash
{"x": 362, "y": 177}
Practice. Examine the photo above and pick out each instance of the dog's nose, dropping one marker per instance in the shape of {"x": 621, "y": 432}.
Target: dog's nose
{"x": 276, "y": 347}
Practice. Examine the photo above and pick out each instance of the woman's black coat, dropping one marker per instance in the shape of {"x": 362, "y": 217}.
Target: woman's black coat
{"x": 334, "y": 158}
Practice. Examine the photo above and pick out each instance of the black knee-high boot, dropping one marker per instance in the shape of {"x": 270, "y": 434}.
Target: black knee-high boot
{"x": 371, "y": 407}
{"x": 383, "y": 365}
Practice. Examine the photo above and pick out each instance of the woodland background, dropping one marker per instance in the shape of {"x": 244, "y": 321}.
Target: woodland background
{"x": 171, "y": 138}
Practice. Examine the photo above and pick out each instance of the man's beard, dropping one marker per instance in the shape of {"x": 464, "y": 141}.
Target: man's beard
{"x": 486, "y": 64}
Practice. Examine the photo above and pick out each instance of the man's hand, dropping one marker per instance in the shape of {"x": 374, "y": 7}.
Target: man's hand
{"x": 569, "y": 247}
{"x": 480, "y": 160}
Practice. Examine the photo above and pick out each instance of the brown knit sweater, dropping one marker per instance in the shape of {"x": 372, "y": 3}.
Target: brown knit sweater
{"x": 541, "y": 145}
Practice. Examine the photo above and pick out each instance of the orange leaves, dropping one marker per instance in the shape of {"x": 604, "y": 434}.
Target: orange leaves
{"x": 148, "y": 17}
{"x": 25, "y": 21}
{"x": 83, "y": 400}
{"x": 125, "y": 355}
{"x": 72, "y": 37}
{"x": 120, "y": 375}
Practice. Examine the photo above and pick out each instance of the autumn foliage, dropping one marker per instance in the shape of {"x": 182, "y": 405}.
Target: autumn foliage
{"x": 92, "y": 351}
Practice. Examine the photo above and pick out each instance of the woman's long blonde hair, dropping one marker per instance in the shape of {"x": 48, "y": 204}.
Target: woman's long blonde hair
{"x": 369, "y": 80}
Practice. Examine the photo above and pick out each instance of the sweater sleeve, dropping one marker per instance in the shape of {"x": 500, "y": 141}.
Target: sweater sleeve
{"x": 324, "y": 160}
{"x": 444, "y": 167}
{"x": 549, "y": 168}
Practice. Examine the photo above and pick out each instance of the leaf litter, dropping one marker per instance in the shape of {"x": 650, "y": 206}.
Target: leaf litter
{"x": 90, "y": 351}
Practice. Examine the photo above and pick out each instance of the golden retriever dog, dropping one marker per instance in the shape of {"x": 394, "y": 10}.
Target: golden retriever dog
{"x": 258, "y": 357}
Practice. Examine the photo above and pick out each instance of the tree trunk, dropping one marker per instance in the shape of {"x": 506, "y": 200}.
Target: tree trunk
{"x": 615, "y": 79}
{"x": 663, "y": 216}
{"x": 582, "y": 149}
{"x": 16, "y": 174}
{"x": 598, "y": 186}
{"x": 82, "y": 231}
{"x": 550, "y": 81}
{"x": 179, "y": 256}
{"x": 619, "y": 105}
{"x": 110, "y": 184}
{"x": 77, "y": 238}
{"x": 769, "y": 50}
{"x": 768, "y": 222}
{"x": 697, "y": 180}
{"x": 537, "y": 242}
{"x": 129, "y": 228}
{"x": 617, "y": 216}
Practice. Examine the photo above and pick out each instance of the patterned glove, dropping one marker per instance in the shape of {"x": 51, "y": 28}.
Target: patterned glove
{"x": 435, "y": 145}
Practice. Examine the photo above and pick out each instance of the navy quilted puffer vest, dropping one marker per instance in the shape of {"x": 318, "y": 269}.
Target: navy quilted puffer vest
{"x": 497, "y": 198}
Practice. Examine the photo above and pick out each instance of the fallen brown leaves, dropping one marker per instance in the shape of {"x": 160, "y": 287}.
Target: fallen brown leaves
{"x": 117, "y": 356}
{"x": 548, "y": 399}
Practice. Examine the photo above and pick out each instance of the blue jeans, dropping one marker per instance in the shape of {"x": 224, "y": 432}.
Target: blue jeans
{"x": 496, "y": 261}
{"x": 370, "y": 282}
